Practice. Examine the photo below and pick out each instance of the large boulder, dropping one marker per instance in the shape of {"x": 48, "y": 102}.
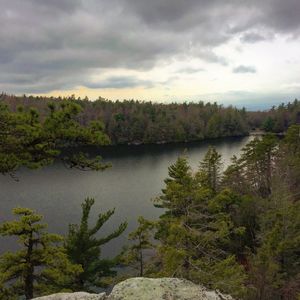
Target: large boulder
{"x": 74, "y": 296}
{"x": 141, "y": 288}
{"x": 162, "y": 288}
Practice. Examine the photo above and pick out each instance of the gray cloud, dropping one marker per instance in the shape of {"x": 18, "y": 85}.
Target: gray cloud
{"x": 244, "y": 69}
{"x": 119, "y": 82}
{"x": 190, "y": 70}
{"x": 58, "y": 44}
{"x": 252, "y": 37}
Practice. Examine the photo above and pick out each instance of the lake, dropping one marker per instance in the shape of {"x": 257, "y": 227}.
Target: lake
{"x": 135, "y": 178}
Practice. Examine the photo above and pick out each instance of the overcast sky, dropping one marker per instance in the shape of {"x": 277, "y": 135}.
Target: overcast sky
{"x": 242, "y": 52}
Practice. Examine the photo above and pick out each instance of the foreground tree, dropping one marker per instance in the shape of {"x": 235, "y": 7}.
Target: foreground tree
{"x": 26, "y": 140}
{"x": 41, "y": 266}
{"x": 175, "y": 197}
{"x": 276, "y": 270}
{"x": 209, "y": 173}
{"x": 84, "y": 248}
{"x": 198, "y": 228}
{"x": 290, "y": 160}
{"x": 135, "y": 255}
{"x": 257, "y": 162}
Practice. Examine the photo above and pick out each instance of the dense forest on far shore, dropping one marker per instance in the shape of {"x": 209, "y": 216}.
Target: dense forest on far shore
{"x": 136, "y": 122}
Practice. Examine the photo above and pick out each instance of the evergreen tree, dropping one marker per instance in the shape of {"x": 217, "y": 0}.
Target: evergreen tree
{"x": 289, "y": 159}
{"x": 134, "y": 255}
{"x": 179, "y": 185}
{"x": 276, "y": 269}
{"x": 195, "y": 241}
{"x": 41, "y": 266}
{"x": 238, "y": 214}
{"x": 209, "y": 173}
{"x": 233, "y": 177}
{"x": 257, "y": 162}
{"x": 268, "y": 124}
{"x": 84, "y": 248}
{"x": 26, "y": 140}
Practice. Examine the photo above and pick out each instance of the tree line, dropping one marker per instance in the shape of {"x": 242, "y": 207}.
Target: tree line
{"x": 277, "y": 119}
{"x": 136, "y": 122}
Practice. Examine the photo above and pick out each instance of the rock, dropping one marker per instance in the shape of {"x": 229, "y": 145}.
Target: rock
{"x": 162, "y": 288}
{"x": 74, "y": 296}
{"x": 141, "y": 288}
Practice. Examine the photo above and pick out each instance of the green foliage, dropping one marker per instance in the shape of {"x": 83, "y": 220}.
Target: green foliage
{"x": 238, "y": 232}
{"x": 277, "y": 119}
{"x": 209, "y": 174}
{"x": 41, "y": 266}
{"x": 254, "y": 170}
{"x": 179, "y": 185}
{"x": 84, "y": 248}
{"x": 136, "y": 122}
{"x": 292, "y": 139}
{"x": 269, "y": 171}
{"x": 199, "y": 229}
{"x": 26, "y": 140}
{"x": 135, "y": 254}
{"x": 276, "y": 267}
{"x": 268, "y": 125}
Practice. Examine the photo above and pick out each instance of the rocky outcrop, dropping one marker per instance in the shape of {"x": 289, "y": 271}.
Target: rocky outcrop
{"x": 74, "y": 296}
{"x": 148, "y": 289}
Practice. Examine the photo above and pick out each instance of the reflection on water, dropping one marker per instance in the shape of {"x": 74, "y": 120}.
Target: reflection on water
{"x": 135, "y": 178}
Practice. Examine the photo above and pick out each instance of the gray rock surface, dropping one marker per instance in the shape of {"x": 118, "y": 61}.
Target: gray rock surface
{"x": 141, "y": 288}
{"x": 74, "y": 296}
{"x": 162, "y": 288}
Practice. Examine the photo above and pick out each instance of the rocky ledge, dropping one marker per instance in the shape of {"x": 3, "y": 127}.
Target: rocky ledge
{"x": 148, "y": 289}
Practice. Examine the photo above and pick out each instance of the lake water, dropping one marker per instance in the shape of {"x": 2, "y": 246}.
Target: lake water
{"x": 135, "y": 178}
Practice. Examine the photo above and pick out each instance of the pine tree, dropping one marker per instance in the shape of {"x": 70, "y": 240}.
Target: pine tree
{"x": 209, "y": 173}
{"x": 290, "y": 159}
{"x": 195, "y": 233}
{"x": 276, "y": 270}
{"x": 176, "y": 195}
{"x": 257, "y": 162}
{"x": 84, "y": 248}
{"x": 41, "y": 266}
{"x": 135, "y": 255}
{"x": 26, "y": 140}
{"x": 233, "y": 177}
{"x": 269, "y": 125}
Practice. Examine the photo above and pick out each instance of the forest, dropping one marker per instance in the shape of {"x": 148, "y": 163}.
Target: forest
{"x": 136, "y": 122}
{"x": 236, "y": 230}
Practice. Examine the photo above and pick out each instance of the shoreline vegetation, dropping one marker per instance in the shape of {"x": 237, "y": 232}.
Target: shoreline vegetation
{"x": 132, "y": 122}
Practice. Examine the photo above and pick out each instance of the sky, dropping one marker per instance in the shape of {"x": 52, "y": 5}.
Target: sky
{"x": 239, "y": 52}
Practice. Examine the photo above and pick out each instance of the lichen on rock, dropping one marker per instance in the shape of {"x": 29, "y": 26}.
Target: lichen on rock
{"x": 74, "y": 296}
{"x": 141, "y": 288}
